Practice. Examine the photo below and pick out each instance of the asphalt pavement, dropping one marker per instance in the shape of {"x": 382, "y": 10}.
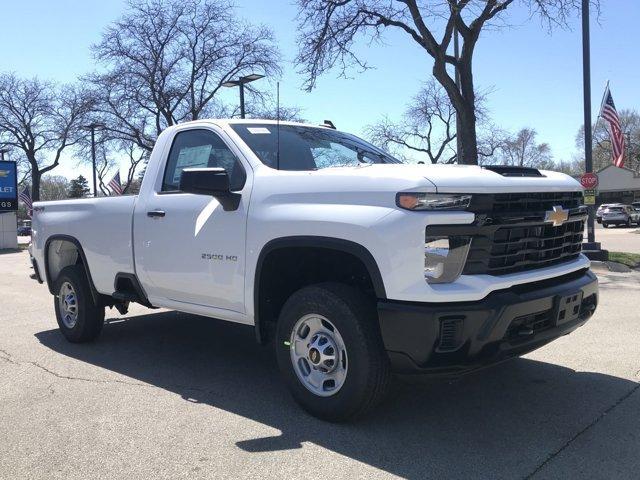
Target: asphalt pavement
{"x": 168, "y": 395}
{"x": 618, "y": 239}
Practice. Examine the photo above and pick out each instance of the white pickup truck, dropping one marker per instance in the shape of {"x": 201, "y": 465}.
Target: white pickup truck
{"x": 355, "y": 264}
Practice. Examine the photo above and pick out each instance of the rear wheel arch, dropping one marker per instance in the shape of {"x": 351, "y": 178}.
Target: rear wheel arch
{"x": 349, "y": 255}
{"x": 61, "y": 251}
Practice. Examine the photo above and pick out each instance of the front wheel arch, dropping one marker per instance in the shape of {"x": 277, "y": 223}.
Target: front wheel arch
{"x": 349, "y": 249}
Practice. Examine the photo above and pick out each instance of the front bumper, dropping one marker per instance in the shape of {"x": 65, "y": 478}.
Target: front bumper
{"x": 455, "y": 338}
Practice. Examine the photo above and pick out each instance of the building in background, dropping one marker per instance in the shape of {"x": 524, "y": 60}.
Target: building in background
{"x": 618, "y": 185}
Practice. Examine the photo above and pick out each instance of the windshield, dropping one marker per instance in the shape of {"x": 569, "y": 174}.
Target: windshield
{"x": 615, "y": 209}
{"x": 308, "y": 148}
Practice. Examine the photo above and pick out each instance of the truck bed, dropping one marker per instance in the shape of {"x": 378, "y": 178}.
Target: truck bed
{"x": 102, "y": 226}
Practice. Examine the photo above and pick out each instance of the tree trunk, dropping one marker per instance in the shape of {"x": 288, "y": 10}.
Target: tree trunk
{"x": 35, "y": 184}
{"x": 463, "y": 100}
{"x": 468, "y": 137}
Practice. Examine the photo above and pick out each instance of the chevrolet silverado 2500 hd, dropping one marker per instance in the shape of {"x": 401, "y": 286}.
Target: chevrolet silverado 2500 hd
{"x": 355, "y": 264}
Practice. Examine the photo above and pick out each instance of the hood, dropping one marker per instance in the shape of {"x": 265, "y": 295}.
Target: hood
{"x": 476, "y": 179}
{"x": 470, "y": 179}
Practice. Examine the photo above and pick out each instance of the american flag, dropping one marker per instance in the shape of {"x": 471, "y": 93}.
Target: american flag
{"x": 25, "y": 196}
{"x": 114, "y": 185}
{"x": 610, "y": 114}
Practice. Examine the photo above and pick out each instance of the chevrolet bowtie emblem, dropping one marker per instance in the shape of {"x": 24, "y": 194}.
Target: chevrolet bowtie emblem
{"x": 4, "y": 173}
{"x": 557, "y": 216}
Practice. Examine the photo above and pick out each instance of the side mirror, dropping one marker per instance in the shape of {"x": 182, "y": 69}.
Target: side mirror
{"x": 210, "y": 181}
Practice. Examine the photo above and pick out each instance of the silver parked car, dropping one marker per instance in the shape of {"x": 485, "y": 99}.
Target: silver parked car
{"x": 602, "y": 208}
{"x": 620, "y": 215}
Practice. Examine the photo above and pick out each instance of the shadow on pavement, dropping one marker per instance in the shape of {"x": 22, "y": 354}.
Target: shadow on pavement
{"x": 501, "y": 422}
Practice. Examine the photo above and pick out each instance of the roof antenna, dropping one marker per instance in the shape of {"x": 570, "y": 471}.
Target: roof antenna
{"x": 277, "y": 125}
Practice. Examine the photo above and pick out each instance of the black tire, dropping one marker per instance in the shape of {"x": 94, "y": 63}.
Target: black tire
{"x": 605, "y": 225}
{"x": 355, "y": 318}
{"x": 90, "y": 316}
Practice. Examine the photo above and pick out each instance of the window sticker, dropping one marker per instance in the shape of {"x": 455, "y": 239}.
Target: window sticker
{"x": 191, "y": 157}
{"x": 258, "y": 130}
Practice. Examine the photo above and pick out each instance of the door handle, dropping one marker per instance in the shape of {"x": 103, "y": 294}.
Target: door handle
{"x": 156, "y": 213}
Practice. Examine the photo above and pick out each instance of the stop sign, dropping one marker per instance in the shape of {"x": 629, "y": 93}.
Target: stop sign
{"x": 589, "y": 181}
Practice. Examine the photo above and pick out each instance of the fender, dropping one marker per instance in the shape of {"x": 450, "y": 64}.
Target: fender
{"x": 330, "y": 243}
{"x": 68, "y": 238}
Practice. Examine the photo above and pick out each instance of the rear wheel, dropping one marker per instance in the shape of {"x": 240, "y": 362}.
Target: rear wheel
{"x": 330, "y": 352}
{"x": 605, "y": 225}
{"x": 80, "y": 319}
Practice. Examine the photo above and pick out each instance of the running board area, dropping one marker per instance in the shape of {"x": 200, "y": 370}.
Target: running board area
{"x": 127, "y": 290}
{"x": 126, "y": 296}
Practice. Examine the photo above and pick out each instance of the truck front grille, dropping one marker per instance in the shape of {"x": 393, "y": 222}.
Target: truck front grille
{"x": 522, "y": 206}
{"x": 511, "y": 249}
{"x": 508, "y": 203}
{"x": 510, "y": 234}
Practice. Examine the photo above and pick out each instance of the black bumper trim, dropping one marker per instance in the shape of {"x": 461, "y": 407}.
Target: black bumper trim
{"x": 491, "y": 330}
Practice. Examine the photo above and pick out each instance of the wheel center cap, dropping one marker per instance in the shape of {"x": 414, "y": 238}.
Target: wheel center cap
{"x": 314, "y": 356}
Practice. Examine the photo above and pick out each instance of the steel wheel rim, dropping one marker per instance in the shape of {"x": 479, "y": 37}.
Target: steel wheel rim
{"x": 318, "y": 355}
{"x": 68, "y": 302}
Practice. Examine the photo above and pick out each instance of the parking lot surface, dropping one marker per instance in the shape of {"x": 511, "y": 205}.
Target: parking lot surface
{"x": 618, "y": 239}
{"x": 168, "y": 395}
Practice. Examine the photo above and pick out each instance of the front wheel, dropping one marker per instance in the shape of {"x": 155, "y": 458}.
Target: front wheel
{"x": 80, "y": 319}
{"x": 605, "y": 225}
{"x": 330, "y": 352}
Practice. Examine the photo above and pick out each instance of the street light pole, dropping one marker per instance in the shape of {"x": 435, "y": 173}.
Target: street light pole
{"x": 92, "y": 127}
{"x": 240, "y": 83}
{"x": 241, "y": 100}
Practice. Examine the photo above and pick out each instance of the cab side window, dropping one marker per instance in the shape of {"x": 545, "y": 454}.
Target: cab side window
{"x": 200, "y": 148}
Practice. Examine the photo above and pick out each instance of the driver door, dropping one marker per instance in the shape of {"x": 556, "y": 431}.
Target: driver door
{"x": 188, "y": 249}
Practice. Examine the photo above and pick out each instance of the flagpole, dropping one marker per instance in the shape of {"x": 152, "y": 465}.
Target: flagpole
{"x": 586, "y": 82}
{"x": 604, "y": 97}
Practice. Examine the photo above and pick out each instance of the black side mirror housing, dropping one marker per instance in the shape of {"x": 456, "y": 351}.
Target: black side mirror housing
{"x": 210, "y": 181}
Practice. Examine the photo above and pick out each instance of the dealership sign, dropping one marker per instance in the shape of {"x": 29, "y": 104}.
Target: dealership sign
{"x": 8, "y": 186}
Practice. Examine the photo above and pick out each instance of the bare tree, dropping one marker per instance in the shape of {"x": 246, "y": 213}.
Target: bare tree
{"x": 112, "y": 154}
{"x": 166, "y": 61}
{"x": 268, "y": 111}
{"x": 522, "y": 150}
{"x": 573, "y": 167}
{"x": 428, "y": 127}
{"x": 329, "y": 30}
{"x": 53, "y": 187}
{"x": 40, "y": 120}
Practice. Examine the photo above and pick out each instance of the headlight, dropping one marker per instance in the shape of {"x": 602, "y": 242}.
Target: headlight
{"x": 444, "y": 258}
{"x": 432, "y": 201}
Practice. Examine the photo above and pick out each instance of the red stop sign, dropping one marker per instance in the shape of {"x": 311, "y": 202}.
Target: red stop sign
{"x": 589, "y": 181}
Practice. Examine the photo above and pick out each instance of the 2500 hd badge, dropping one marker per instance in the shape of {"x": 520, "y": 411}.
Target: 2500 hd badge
{"x": 220, "y": 257}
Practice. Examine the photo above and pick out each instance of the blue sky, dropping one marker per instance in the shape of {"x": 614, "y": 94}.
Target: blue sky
{"x": 535, "y": 77}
